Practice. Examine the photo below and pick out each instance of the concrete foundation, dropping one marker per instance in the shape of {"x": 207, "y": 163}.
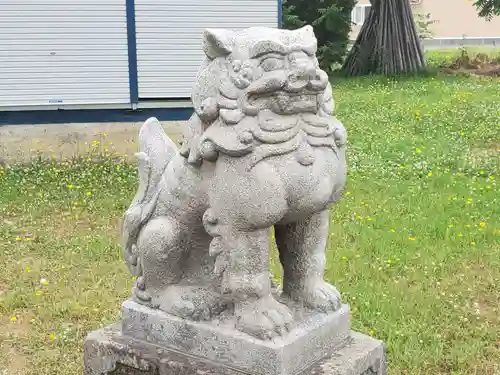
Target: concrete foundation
{"x": 109, "y": 352}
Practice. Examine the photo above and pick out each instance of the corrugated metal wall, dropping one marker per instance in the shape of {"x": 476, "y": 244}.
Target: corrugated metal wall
{"x": 57, "y": 52}
{"x": 169, "y": 38}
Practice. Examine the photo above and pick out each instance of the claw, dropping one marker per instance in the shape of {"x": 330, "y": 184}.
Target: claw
{"x": 264, "y": 318}
{"x": 320, "y": 296}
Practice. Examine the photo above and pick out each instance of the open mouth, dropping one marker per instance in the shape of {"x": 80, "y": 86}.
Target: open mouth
{"x": 283, "y": 102}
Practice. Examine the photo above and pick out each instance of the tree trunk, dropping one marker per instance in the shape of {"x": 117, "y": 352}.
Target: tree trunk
{"x": 388, "y": 42}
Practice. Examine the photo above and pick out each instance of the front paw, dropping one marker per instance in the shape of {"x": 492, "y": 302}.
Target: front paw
{"x": 318, "y": 296}
{"x": 263, "y": 318}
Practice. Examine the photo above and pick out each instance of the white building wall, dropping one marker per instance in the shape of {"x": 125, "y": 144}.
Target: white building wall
{"x": 63, "y": 52}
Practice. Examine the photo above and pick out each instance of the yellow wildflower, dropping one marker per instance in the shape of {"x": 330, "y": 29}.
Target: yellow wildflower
{"x": 13, "y": 319}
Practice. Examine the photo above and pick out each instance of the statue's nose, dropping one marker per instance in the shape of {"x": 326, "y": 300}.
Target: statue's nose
{"x": 307, "y": 71}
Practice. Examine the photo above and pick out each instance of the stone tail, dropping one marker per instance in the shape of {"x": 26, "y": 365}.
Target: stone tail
{"x": 156, "y": 151}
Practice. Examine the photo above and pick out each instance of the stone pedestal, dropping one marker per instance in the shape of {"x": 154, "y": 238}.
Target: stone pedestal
{"x": 151, "y": 342}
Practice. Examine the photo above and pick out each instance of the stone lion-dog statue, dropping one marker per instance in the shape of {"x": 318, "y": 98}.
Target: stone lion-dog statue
{"x": 262, "y": 150}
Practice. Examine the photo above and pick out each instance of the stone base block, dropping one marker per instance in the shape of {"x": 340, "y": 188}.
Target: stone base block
{"x": 109, "y": 352}
{"x": 313, "y": 336}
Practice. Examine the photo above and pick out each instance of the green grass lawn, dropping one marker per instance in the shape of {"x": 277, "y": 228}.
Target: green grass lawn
{"x": 414, "y": 245}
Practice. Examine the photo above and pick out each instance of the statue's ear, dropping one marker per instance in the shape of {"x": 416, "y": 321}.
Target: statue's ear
{"x": 307, "y": 38}
{"x": 306, "y": 32}
{"x": 217, "y": 42}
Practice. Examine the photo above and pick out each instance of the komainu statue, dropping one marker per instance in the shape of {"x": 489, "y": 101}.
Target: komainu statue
{"x": 262, "y": 151}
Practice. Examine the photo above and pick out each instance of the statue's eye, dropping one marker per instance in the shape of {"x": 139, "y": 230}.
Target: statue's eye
{"x": 271, "y": 63}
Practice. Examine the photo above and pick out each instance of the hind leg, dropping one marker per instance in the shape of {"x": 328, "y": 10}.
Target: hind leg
{"x": 160, "y": 245}
{"x": 301, "y": 247}
{"x": 167, "y": 248}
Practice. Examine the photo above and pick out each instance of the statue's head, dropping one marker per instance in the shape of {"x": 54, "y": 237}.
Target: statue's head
{"x": 261, "y": 68}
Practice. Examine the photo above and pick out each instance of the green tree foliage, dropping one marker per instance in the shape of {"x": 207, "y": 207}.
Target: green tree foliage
{"x": 331, "y": 20}
{"x": 423, "y": 21}
{"x": 488, "y": 8}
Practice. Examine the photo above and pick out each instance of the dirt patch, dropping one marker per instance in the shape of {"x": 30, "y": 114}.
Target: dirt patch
{"x": 20, "y": 329}
{"x": 25, "y": 142}
{"x": 488, "y": 309}
{"x": 481, "y": 64}
{"x": 16, "y": 364}
{"x": 3, "y": 288}
{"x": 482, "y": 156}
{"x": 489, "y": 71}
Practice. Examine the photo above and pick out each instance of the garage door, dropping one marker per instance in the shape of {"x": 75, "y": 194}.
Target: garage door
{"x": 169, "y": 38}
{"x": 60, "y": 52}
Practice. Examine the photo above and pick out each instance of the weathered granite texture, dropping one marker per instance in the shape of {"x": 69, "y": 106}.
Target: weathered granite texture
{"x": 108, "y": 352}
{"x": 262, "y": 151}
